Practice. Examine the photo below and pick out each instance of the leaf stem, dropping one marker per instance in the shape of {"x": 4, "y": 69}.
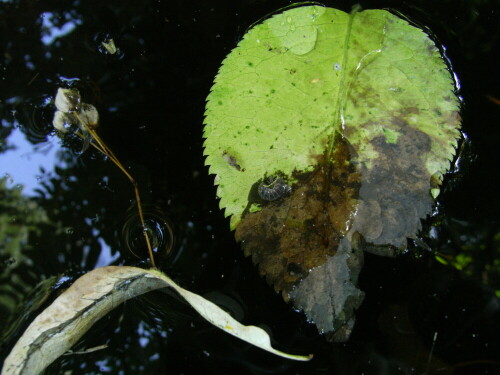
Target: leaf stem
{"x": 107, "y": 151}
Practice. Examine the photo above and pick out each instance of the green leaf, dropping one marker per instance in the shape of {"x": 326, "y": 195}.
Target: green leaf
{"x": 351, "y": 119}
{"x": 280, "y": 96}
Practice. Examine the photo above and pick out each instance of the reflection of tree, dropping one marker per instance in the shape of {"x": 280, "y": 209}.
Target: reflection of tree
{"x": 20, "y": 220}
{"x": 58, "y": 231}
{"x": 52, "y": 233}
{"x": 472, "y": 248}
{"x": 5, "y": 131}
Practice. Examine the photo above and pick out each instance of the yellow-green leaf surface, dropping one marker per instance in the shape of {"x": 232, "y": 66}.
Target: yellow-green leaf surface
{"x": 303, "y": 75}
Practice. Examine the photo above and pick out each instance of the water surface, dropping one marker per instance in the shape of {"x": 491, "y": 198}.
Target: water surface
{"x": 62, "y": 212}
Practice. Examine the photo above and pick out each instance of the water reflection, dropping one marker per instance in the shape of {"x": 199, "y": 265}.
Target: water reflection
{"x": 55, "y": 26}
{"x": 25, "y": 163}
{"x": 162, "y": 81}
{"x": 158, "y": 227}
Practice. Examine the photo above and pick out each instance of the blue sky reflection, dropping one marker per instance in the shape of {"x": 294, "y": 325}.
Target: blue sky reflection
{"x": 22, "y": 164}
{"x": 50, "y": 32}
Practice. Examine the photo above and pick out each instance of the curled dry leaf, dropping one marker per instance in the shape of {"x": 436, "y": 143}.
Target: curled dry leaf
{"x": 95, "y": 294}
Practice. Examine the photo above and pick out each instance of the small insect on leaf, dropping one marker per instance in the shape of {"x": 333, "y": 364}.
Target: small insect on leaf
{"x": 273, "y": 188}
{"x": 231, "y": 160}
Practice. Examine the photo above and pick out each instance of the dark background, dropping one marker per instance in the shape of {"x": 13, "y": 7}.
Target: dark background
{"x": 419, "y": 316}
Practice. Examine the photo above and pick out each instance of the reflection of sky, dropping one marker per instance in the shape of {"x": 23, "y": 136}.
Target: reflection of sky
{"x": 22, "y": 163}
{"x": 105, "y": 257}
{"x": 52, "y": 32}
{"x": 26, "y": 163}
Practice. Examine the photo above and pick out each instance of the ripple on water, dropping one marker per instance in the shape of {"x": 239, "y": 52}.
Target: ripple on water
{"x": 158, "y": 228}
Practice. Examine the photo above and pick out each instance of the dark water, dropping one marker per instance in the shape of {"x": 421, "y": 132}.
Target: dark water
{"x": 419, "y": 317}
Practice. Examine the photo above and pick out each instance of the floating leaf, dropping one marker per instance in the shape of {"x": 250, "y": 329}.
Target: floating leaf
{"x": 95, "y": 294}
{"x": 357, "y": 114}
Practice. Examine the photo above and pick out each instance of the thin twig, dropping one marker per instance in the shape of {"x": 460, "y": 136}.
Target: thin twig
{"x": 32, "y": 79}
{"x": 106, "y": 151}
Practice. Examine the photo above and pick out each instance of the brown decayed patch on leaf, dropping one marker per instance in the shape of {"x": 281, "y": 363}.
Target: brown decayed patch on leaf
{"x": 329, "y": 295}
{"x": 395, "y": 192}
{"x": 292, "y": 235}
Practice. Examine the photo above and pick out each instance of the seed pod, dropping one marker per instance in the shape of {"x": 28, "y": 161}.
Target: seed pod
{"x": 64, "y": 122}
{"x": 89, "y": 115}
{"x": 67, "y": 100}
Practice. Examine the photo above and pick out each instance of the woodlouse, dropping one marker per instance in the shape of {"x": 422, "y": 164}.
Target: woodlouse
{"x": 273, "y": 188}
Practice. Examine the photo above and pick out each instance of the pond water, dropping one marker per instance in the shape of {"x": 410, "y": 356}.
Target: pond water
{"x": 65, "y": 210}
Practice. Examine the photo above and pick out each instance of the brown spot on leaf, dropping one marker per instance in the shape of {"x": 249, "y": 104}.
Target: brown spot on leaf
{"x": 411, "y": 110}
{"x": 431, "y": 48}
{"x": 452, "y": 117}
{"x": 290, "y": 236}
